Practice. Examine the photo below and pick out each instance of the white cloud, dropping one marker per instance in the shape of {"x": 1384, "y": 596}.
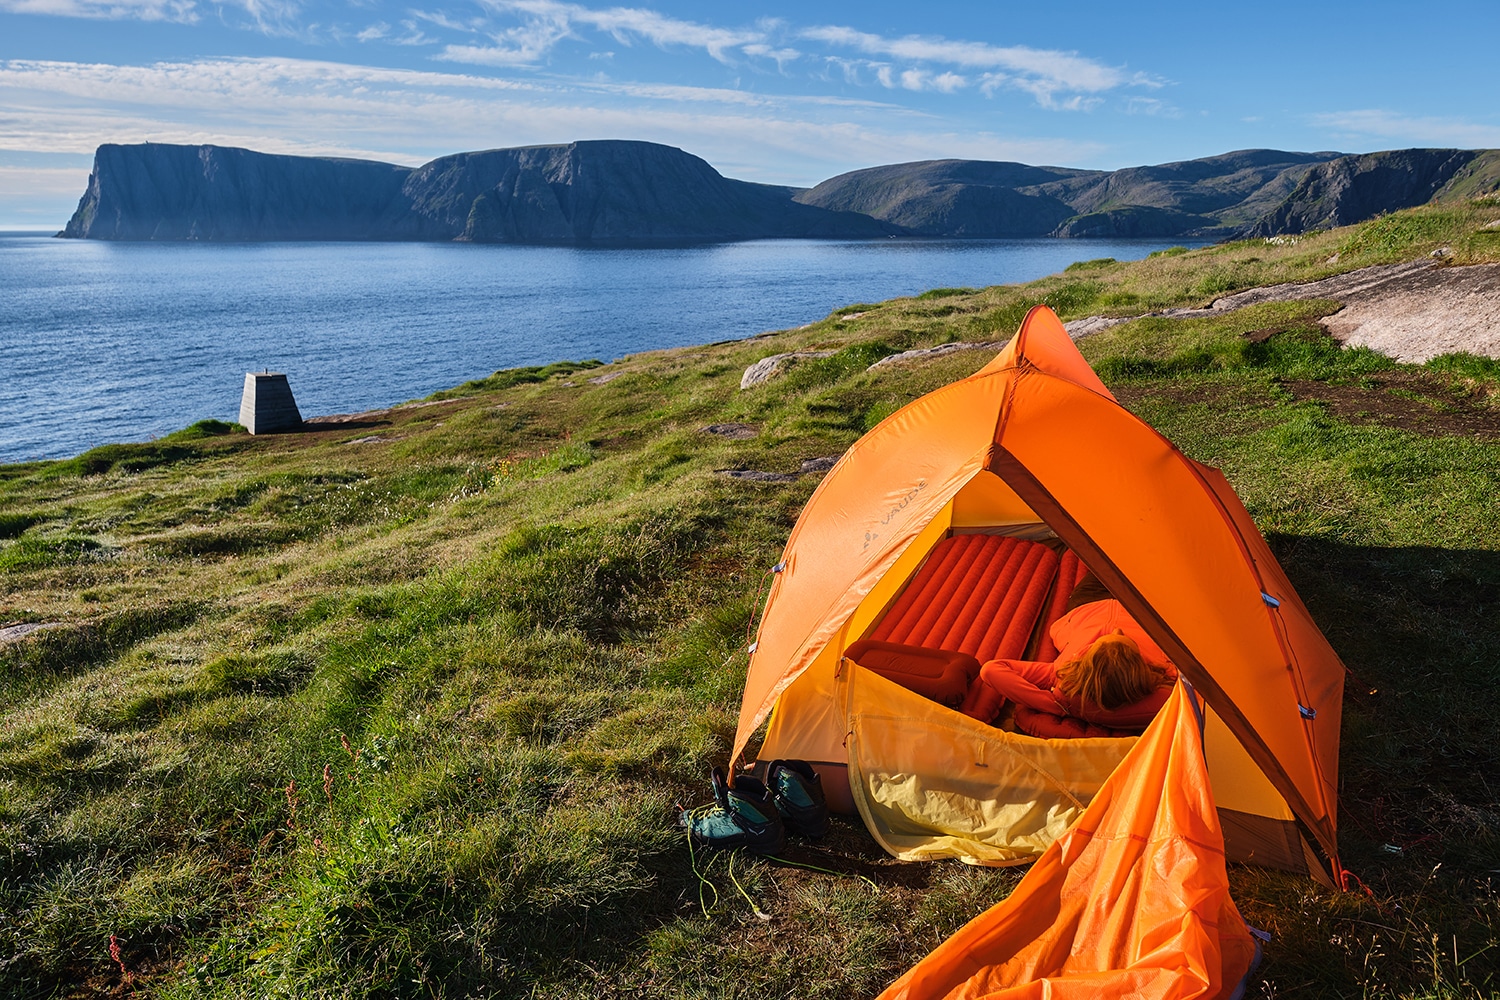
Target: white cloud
{"x": 1136, "y": 105}
{"x": 1410, "y": 130}
{"x": 142, "y": 10}
{"x": 270, "y": 16}
{"x": 408, "y": 116}
{"x": 1043, "y": 73}
{"x": 550, "y": 21}
{"x": 441, "y": 20}
{"x": 413, "y": 35}
{"x": 527, "y": 33}
{"x": 949, "y": 82}
{"x": 780, "y": 56}
{"x": 523, "y": 45}
{"x": 921, "y": 79}
{"x": 44, "y": 181}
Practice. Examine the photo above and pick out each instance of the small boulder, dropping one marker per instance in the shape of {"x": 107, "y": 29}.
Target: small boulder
{"x": 757, "y": 476}
{"x": 734, "y": 432}
{"x": 768, "y": 368}
{"x": 820, "y": 464}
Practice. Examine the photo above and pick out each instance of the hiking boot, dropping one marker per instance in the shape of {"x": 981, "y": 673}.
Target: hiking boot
{"x": 741, "y": 815}
{"x": 797, "y": 791}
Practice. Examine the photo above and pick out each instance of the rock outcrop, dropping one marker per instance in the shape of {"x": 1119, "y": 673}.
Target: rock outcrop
{"x": 1412, "y": 311}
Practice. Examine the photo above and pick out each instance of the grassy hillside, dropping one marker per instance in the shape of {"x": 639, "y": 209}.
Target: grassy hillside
{"x": 400, "y": 707}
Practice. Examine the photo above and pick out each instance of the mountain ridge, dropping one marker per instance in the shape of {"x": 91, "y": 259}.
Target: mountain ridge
{"x": 625, "y": 191}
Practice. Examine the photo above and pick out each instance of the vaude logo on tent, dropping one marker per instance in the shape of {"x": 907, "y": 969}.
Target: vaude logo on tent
{"x": 872, "y": 534}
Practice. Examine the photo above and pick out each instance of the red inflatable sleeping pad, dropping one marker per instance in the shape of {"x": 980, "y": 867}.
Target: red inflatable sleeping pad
{"x": 940, "y": 674}
{"x": 979, "y": 595}
{"x": 1070, "y": 572}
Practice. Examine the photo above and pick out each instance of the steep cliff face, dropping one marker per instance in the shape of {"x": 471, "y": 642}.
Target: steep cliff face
{"x": 583, "y": 192}
{"x": 162, "y": 192}
{"x": 1354, "y": 188}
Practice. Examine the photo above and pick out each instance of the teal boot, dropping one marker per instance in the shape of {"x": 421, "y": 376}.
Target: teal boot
{"x": 741, "y": 815}
{"x": 797, "y": 791}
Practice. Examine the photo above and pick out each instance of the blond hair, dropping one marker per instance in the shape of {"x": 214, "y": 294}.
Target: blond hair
{"x": 1111, "y": 673}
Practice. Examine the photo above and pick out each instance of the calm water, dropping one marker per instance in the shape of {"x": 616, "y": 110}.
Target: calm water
{"x": 105, "y": 342}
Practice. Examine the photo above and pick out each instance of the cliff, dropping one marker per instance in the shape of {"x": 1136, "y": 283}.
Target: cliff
{"x": 604, "y": 191}
{"x": 616, "y": 191}
{"x": 1354, "y": 188}
{"x": 609, "y": 191}
{"x": 162, "y": 192}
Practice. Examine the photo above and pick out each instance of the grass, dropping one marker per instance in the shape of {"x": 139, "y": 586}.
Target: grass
{"x": 408, "y": 717}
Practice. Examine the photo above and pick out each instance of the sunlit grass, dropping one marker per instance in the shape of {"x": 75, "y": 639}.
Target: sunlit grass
{"x": 317, "y": 715}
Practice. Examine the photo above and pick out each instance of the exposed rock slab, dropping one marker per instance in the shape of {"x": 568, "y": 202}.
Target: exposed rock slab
{"x": 758, "y": 476}
{"x": 810, "y": 467}
{"x": 768, "y": 368}
{"x": 821, "y": 464}
{"x": 11, "y": 633}
{"x": 942, "y": 350}
{"x": 1094, "y": 324}
{"x": 1428, "y": 313}
{"x": 734, "y": 432}
{"x": 1411, "y": 311}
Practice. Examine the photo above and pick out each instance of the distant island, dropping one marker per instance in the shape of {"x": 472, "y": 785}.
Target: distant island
{"x": 619, "y": 191}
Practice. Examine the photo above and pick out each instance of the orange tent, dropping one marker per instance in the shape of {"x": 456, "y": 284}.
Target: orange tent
{"x": 1034, "y": 446}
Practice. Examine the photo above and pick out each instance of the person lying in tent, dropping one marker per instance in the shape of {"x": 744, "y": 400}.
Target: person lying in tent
{"x": 1109, "y": 678}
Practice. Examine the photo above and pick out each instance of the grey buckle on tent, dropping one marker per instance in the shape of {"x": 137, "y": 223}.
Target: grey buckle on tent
{"x": 1307, "y": 713}
{"x": 753, "y": 647}
{"x": 778, "y": 567}
{"x": 1273, "y": 602}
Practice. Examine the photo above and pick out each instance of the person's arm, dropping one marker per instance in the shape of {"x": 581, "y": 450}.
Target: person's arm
{"x": 1024, "y": 682}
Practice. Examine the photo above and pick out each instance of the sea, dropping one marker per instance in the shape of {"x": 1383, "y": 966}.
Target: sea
{"x": 105, "y": 342}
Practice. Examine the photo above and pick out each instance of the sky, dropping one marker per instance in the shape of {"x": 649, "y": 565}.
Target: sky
{"x": 779, "y": 92}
